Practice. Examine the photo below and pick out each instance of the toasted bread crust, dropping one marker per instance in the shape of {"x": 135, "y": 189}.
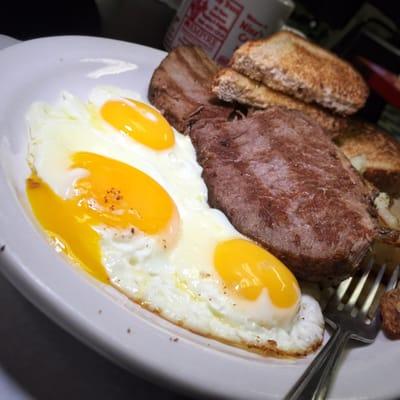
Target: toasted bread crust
{"x": 381, "y": 153}
{"x": 290, "y": 64}
{"x": 229, "y": 85}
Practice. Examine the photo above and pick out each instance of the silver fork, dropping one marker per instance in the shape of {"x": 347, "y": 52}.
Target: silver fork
{"x": 348, "y": 322}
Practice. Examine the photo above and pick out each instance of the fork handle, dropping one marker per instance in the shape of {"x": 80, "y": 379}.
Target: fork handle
{"x": 314, "y": 383}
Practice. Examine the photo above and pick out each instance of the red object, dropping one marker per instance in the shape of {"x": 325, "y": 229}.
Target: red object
{"x": 381, "y": 81}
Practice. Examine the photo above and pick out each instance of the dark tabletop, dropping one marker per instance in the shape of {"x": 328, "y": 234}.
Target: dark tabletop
{"x": 40, "y": 360}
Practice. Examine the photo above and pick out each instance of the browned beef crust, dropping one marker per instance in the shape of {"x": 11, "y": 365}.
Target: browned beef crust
{"x": 282, "y": 182}
{"x": 180, "y": 88}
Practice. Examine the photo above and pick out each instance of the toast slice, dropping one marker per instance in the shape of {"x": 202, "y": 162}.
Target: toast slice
{"x": 288, "y": 63}
{"x": 229, "y": 85}
{"x": 375, "y": 153}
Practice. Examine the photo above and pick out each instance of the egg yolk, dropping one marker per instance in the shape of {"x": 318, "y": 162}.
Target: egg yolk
{"x": 247, "y": 269}
{"x": 139, "y": 121}
{"x": 67, "y": 226}
{"x": 111, "y": 194}
{"x": 121, "y": 196}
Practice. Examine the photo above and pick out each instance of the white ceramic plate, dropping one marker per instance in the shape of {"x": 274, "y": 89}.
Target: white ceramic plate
{"x": 98, "y": 315}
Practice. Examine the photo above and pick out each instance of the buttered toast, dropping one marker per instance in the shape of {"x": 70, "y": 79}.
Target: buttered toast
{"x": 229, "y": 85}
{"x": 288, "y": 63}
{"x": 375, "y": 153}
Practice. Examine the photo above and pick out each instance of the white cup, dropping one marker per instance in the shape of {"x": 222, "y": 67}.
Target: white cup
{"x": 220, "y": 26}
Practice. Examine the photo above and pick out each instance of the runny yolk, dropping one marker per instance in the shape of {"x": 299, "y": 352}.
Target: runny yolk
{"x": 247, "y": 269}
{"x": 139, "y": 121}
{"x": 120, "y": 196}
{"x": 112, "y": 194}
{"x": 67, "y": 226}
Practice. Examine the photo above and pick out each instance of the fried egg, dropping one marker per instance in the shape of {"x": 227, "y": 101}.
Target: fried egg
{"x": 120, "y": 193}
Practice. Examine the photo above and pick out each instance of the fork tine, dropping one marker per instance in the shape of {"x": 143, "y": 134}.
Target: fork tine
{"x": 391, "y": 285}
{"x": 360, "y": 285}
{"x": 372, "y": 292}
{"x": 337, "y": 296}
{"x": 342, "y": 288}
{"x": 393, "y": 279}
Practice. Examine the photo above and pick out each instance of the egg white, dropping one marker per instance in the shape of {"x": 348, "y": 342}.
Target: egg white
{"x": 180, "y": 282}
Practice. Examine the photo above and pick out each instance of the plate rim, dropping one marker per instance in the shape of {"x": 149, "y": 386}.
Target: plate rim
{"x": 14, "y": 267}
